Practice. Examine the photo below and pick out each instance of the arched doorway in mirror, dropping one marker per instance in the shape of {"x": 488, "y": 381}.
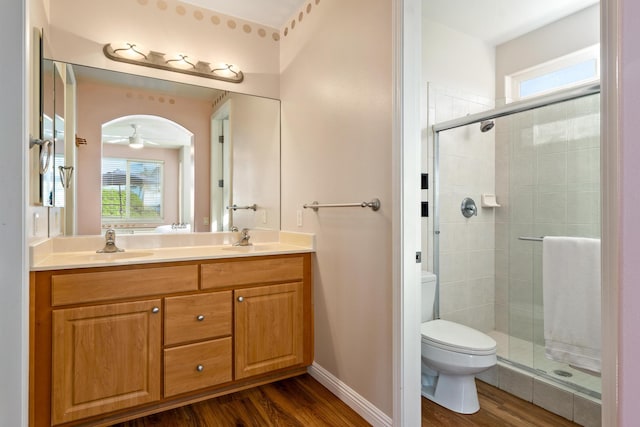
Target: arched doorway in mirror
{"x": 147, "y": 176}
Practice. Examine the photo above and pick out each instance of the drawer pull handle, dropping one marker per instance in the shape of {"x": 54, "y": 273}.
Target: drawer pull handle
{"x": 200, "y": 368}
{"x": 200, "y": 318}
{"x": 155, "y": 310}
{"x": 240, "y": 299}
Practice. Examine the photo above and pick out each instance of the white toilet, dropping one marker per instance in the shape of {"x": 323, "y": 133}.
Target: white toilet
{"x": 452, "y": 354}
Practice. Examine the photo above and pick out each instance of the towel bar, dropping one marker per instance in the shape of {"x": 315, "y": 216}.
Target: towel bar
{"x": 253, "y": 207}
{"x": 373, "y": 204}
{"x": 533, "y": 239}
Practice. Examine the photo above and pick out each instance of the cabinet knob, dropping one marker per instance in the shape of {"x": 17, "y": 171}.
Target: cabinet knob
{"x": 200, "y": 368}
{"x": 155, "y": 310}
{"x": 240, "y": 299}
{"x": 200, "y": 318}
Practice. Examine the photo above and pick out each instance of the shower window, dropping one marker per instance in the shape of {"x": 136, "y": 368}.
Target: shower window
{"x": 571, "y": 70}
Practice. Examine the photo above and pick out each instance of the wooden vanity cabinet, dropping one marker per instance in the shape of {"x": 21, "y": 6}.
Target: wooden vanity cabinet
{"x": 164, "y": 335}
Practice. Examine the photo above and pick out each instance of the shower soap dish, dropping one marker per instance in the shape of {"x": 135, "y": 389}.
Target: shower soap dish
{"x": 489, "y": 201}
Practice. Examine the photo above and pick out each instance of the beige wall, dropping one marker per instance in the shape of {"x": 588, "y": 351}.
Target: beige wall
{"x": 114, "y": 102}
{"x": 336, "y": 147}
{"x": 79, "y": 30}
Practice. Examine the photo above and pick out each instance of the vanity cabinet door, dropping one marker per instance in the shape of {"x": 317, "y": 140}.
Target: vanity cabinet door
{"x": 105, "y": 358}
{"x": 268, "y": 328}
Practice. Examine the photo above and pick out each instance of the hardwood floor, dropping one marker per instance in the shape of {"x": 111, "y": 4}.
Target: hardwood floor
{"x": 303, "y": 402}
{"x": 295, "y": 402}
{"x": 497, "y": 409}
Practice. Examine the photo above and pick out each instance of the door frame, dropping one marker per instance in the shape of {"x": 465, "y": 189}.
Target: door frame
{"x": 406, "y": 199}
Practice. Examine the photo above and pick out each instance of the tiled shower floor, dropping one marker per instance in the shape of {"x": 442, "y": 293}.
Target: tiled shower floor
{"x": 526, "y": 353}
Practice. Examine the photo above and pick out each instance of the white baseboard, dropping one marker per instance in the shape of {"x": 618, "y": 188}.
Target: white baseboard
{"x": 362, "y": 406}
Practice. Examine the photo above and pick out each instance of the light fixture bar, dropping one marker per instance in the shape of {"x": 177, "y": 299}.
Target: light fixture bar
{"x": 158, "y": 60}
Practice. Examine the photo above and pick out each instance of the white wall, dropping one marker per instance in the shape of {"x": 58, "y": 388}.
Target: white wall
{"x": 447, "y": 58}
{"x": 336, "y": 147}
{"x": 575, "y": 32}
{"x": 13, "y": 289}
{"x": 456, "y": 60}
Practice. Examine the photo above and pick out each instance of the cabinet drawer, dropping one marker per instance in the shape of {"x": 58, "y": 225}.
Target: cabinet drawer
{"x": 244, "y": 272}
{"x": 196, "y": 366}
{"x": 110, "y": 285}
{"x": 197, "y": 317}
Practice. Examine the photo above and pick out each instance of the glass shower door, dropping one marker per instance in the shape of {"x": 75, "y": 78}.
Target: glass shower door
{"x": 553, "y": 189}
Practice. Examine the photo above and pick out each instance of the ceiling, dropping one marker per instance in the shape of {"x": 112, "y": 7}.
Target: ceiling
{"x": 271, "y": 13}
{"x": 155, "y": 131}
{"x": 497, "y": 21}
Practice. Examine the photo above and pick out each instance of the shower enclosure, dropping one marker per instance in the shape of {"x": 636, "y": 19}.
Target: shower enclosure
{"x": 535, "y": 173}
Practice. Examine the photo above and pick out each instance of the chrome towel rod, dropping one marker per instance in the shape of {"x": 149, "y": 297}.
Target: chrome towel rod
{"x": 253, "y": 207}
{"x": 373, "y": 204}
{"x": 533, "y": 239}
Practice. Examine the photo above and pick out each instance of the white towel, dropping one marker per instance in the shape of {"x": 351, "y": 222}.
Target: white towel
{"x": 571, "y": 297}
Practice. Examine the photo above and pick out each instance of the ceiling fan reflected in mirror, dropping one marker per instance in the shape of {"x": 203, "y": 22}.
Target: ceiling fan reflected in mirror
{"x": 134, "y": 141}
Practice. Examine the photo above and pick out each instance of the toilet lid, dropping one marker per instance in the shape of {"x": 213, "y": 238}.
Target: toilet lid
{"x": 455, "y": 337}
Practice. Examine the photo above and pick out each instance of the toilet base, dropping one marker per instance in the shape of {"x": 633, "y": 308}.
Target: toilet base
{"x": 455, "y": 392}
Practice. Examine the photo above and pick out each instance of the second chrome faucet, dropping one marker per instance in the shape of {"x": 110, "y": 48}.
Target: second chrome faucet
{"x": 244, "y": 238}
{"x": 110, "y": 243}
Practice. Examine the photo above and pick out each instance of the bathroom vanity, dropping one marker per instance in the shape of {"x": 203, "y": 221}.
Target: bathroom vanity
{"x": 130, "y": 338}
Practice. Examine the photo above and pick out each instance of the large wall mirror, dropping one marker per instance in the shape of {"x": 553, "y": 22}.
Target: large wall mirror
{"x": 154, "y": 155}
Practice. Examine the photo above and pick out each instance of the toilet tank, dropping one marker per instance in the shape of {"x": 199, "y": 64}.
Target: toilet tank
{"x": 428, "y": 288}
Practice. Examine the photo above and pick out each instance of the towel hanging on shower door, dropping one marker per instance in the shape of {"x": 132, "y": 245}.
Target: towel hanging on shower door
{"x": 571, "y": 299}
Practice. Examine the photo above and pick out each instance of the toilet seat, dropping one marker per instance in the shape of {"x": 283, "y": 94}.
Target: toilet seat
{"x": 457, "y": 338}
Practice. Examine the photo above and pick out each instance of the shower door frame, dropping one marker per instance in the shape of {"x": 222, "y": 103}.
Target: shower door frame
{"x": 509, "y": 109}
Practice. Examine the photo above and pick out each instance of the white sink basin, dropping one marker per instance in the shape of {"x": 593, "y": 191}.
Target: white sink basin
{"x": 116, "y": 256}
{"x": 252, "y": 248}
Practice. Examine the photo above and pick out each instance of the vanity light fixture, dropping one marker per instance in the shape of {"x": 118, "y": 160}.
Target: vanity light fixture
{"x": 131, "y": 53}
{"x": 225, "y": 70}
{"x": 181, "y": 62}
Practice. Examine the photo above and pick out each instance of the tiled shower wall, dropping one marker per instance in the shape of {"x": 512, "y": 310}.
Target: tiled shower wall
{"x": 547, "y": 181}
{"x": 467, "y": 249}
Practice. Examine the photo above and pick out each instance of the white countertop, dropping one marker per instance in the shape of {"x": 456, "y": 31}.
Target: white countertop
{"x": 80, "y": 251}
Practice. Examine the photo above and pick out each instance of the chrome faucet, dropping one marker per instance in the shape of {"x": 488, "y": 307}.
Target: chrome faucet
{"x": 110, "y": 243}
{"x": 244, "y": 238}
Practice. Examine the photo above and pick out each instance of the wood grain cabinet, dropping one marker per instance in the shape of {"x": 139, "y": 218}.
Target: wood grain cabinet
{"x": 105, "y": 358}
{"x": 205, "y": 318}
{"x": 269, "y": 328}
{"x": 115, "y": 343}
